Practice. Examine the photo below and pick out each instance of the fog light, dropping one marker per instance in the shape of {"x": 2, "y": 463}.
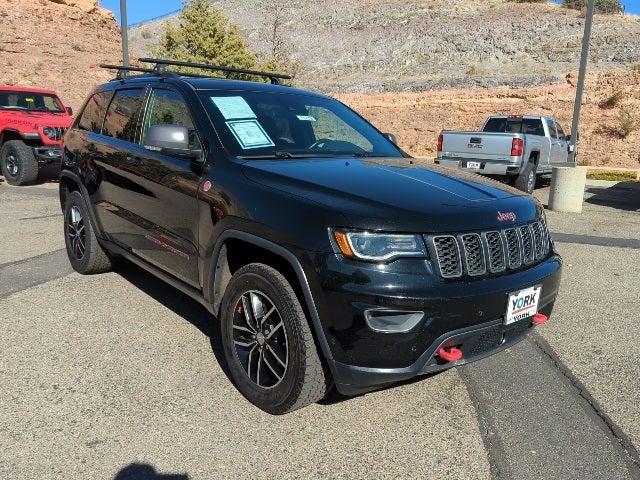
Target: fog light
{"x": 392, "y": 321}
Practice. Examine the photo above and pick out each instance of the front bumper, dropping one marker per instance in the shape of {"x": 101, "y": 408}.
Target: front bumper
{"x": 468, "y": 313}
{"x": 48, "y": 154}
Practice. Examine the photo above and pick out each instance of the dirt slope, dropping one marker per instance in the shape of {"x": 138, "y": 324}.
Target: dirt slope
{"x": 57, "y": 44}
{"x": 418, "y": 118}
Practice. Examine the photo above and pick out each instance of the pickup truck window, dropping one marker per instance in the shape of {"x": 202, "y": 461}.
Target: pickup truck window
{"x": 281, "y": 125}
{"x": 552, "y": 128}
{"x": 528, "y": 126}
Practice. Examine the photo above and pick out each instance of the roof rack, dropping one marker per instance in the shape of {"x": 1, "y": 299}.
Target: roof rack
{"x": 122, "y": 70}
{"x": 161, "y": 64}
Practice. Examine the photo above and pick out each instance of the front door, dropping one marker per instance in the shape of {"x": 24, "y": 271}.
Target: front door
{"x": 169, "y": 213}
{"x": 558, "y": 145}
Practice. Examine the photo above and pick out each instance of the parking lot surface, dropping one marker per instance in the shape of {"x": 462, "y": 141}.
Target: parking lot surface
{"x": 120, "y": 376}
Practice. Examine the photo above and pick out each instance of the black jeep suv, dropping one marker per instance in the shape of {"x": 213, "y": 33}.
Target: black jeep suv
{"x": 327, "y": 254}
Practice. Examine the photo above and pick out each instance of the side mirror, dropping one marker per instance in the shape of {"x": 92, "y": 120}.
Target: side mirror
{"x": 568, "y": 138}
{"x": 170, "y": 139}
{"x": 391, "y": 137}
{"x": 70, "y": 110}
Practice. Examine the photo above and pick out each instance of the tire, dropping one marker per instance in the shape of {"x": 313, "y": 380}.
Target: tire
{"x": 19, "y": 164}
{"x": 526, "y": 181}
{"x": 85, "y": 254}
{"x": 297, "y": 376}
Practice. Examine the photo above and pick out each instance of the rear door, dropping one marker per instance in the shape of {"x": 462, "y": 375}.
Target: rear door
{"x": 563, "y": 145}
{"x": 166, "y": 199}
{"x": 117, "y": 190}
{"x": 558, "y": 146}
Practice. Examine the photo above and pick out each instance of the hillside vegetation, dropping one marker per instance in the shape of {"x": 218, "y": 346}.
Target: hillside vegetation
{"x": 415, "y": 45}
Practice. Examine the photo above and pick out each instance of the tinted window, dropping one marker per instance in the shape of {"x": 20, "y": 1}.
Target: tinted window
{"x": 122, "y": 116}
{"x": 168, "y": 107}
{"x": 93, "y": 113}
{"x": 274, "y": 124}
{"x": 529, "y": 126}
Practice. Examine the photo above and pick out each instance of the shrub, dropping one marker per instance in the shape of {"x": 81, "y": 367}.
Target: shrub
{"x": 612, "y": 100}
{"x": 602, "y": 6}
{"x": 626, "y": 123}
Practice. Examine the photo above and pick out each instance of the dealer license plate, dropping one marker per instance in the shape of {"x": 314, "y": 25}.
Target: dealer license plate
{"x": 522, "y": 304}
{"x": 475, "y": 165}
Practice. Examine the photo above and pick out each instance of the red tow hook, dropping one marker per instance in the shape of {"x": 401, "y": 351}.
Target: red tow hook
{"x": 539, "y": 319}
{"x": 450, "y": 354}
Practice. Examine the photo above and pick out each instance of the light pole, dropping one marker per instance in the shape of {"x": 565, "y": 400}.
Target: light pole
{"x": 124, "y": 32}
{"x": 586, "y": 41}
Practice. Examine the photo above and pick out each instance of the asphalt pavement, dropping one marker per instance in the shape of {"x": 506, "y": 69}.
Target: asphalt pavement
{"x": 119, "y": 376}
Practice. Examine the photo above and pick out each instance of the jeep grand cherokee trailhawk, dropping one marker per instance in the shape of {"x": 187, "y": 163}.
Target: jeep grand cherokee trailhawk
{"x": 326, "y": 253}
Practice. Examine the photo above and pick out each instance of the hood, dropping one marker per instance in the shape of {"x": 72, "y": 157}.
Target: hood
{"x": 31, "y": 119}
{"x": 397, "y": 194}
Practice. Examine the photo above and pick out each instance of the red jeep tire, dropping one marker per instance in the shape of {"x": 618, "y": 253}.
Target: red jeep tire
{"x": 19, "y": 164}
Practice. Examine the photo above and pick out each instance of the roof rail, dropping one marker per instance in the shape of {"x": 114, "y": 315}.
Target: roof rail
{"x": 161, "y": 64}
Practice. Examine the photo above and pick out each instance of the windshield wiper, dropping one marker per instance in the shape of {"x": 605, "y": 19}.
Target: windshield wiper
{"x": 284, "y": 154}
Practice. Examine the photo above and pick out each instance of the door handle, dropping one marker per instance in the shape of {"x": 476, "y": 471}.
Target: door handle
{"x": 134, "y": 160}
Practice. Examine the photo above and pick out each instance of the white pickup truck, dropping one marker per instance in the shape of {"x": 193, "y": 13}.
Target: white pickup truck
{"x": 515, "y": 147}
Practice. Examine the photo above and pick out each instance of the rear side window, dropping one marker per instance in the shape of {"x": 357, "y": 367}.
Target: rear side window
{"x": 123, "y": 113}
{"x": 93, "y": 113}
{"x": 552, "y": 128}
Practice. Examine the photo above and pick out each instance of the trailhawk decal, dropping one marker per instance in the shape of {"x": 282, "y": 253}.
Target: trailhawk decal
{"x": 506, "y": 216}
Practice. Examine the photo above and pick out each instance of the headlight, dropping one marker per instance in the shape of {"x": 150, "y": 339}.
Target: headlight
{"x": 378, "y": 247}
{"x": 49, "y": 132}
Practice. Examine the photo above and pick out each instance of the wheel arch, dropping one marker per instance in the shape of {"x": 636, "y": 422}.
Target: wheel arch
{"x": 236, "y": 248}
{"x": 71, "y": 182}
{"x": 535, "y": 156}
{"x": 9, "y": 134}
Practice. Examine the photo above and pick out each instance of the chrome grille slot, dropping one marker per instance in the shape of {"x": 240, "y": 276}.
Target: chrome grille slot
{"x": 447, "y": 256}
{"x": 538, "y": 240}
{"x": 528, "y": 253}
{"x": 495, "y": 251}
{"x": 473, "y": 254}
{"x": 514, "y": 251}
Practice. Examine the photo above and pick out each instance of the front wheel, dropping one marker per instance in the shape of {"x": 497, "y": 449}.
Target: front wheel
{"x": 268, "y": 343}
{"x": 526, "y": 181}
{"x": 19, "y": 164}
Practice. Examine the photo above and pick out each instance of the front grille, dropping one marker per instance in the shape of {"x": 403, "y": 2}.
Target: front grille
{"x": 494, "y": 251}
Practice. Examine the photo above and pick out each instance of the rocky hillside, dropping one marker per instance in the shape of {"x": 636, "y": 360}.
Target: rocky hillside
{"x": 57, "y": 44}
{"x": 415, "y": 45}
{"x": 418, "y": 118}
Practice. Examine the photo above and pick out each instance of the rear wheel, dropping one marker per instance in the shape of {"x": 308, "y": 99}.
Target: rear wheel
{"x": 19, "y": 164}
{"x": 526, "y": 181}
{"x": 268, "y": 343}
{"x": 85, "y": 254}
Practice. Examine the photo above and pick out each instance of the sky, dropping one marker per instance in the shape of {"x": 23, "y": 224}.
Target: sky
{"x": 139, "y": 10}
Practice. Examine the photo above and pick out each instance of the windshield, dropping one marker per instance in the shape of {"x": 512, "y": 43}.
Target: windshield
{"x": 30, "y": 101}
{"x": 289, "y": 125}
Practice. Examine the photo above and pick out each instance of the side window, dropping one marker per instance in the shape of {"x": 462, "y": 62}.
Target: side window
{"x": 93, "y": 113}
{"x": 561, "y": 134}
{"x": 327, "y": 124}
{"x": 533, "y": 126}
{"x": 552, "y": 128}
{"x": 168, "y": 107}
{"x": 122, "y": 115}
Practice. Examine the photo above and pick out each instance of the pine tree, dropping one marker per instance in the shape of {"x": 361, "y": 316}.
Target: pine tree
{"x": 205, "y": 35}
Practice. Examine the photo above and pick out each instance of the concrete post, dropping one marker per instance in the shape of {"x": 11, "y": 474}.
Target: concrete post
{"x": 567, "y": 189}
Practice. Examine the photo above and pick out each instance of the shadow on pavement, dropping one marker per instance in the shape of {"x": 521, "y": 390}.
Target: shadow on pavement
{"x": 623, "y": 196}
{"x": 140, "y": 471}
{"x": 179, "y": 303}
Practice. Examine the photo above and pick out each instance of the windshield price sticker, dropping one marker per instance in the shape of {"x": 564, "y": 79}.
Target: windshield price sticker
{"x": 522, "y": 304}
{"x": 250, "y": 134}
{"x": 233, "y": 108}
{"x": 306, "y": 118}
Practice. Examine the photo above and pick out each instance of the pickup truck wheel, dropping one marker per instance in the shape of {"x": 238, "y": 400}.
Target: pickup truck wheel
{"x": 85, "y": 254}
{"x": 526, "y": 181}
{"x": 268, "y": 344}
{"x": 19, "y": 164}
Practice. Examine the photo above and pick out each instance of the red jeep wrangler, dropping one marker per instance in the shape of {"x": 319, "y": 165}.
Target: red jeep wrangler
{"x": 32, "y": 124}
